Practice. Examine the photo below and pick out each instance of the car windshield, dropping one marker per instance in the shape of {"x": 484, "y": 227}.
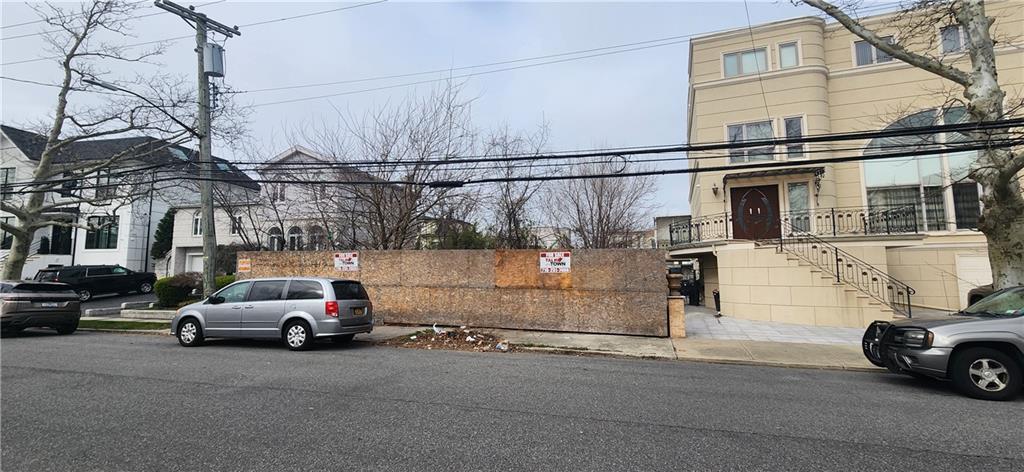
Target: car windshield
{"x": 46, "y": 276}
{"x": 1009, "y": 302}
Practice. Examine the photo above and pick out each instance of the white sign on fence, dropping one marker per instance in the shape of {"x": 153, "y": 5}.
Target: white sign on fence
{"x": 346, "y": 261}
{"x": 555, "y": 262}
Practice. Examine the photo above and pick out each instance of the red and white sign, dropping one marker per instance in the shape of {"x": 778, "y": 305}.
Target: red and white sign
{"x": 244, "y": 264}
{"x": 346, "y": 261}
{"x": 555, "y": 262}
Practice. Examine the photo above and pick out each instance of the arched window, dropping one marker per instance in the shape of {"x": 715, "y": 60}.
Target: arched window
{"x": 317, "y": 238}
{"x": 276, "y": 239}
{"x": 921, "y": 181}
{"x": 197, "y": 224}
{"x": 295, "y": 239}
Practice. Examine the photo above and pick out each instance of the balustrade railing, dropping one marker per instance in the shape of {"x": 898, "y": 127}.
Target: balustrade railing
{"x": 839, "y": 221}
{"x": 846, "y": 268}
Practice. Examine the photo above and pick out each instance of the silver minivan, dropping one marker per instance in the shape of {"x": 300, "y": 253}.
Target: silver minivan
{"x": 295, "y": 309}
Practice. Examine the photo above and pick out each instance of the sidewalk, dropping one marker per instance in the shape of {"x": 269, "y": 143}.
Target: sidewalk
{"x": 842, "y": 356}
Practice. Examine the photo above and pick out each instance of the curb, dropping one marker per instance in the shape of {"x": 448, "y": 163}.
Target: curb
{"x": 787, "y": 365}
{"x": 129, "y": 331}
{"x": 101, "y": 311}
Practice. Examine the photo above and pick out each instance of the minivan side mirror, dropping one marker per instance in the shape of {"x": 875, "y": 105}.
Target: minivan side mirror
{"x": 215, "y": 300}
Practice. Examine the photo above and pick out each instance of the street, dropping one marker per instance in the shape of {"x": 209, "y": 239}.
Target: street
{"x": 97, "y": 401}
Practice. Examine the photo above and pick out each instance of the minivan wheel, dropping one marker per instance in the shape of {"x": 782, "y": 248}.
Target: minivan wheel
{"x": 190, "y": 333}
{"x": 298, "y": 336}
{"x": 986, "y": 373}
{"x": 84, "y": 295}
{"x": 145, "y": 287}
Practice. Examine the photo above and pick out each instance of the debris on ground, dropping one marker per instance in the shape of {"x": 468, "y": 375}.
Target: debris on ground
{"x": 456, "y": 339}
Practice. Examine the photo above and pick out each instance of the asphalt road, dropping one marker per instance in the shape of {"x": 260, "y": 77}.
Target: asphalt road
{"x": 94, "y": 401}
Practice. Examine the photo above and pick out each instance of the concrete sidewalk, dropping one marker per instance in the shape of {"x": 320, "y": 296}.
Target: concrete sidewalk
{"x": 727, "y": 351}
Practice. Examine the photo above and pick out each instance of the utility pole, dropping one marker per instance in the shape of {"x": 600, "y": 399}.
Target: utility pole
{"x": 207, "y": 66}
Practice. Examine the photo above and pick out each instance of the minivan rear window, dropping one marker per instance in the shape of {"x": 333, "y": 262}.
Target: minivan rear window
{"x": 349, "y": 290}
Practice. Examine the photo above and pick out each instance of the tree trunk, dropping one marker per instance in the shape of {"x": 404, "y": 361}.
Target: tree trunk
{"x": 1002, "y": 221}
{"x": 16, "y": 257}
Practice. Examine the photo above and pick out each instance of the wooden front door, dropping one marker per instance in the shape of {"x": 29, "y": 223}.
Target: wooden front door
{"x": 755, "y": 212}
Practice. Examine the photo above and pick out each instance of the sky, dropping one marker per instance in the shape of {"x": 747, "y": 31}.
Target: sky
{"x": 635, "y": 98}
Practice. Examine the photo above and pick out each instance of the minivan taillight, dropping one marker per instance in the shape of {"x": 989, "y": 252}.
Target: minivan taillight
{"x": 331, "y": 308}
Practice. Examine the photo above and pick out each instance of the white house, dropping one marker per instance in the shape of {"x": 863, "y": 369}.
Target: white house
{"x": 126, "y": 226}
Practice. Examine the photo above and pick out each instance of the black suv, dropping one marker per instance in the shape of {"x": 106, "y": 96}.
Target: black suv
{"x": 89, "y": 280}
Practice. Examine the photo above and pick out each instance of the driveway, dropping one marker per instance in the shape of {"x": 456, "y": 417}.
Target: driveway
{"x": 96, "y": 401}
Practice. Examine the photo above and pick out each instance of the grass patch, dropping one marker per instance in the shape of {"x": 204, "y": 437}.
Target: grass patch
{"x": 114, "y": 324}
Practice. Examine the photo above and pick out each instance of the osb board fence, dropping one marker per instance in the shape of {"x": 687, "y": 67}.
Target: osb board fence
{"x": 618, "y": 291}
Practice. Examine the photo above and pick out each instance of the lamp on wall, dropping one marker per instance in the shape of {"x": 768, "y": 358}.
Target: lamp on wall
{"x": 714, "y": 189}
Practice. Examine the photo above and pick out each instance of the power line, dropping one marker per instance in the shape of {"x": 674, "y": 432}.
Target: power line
{"x": 461, "y": 183}
{"x": 40, "y": 33}
{"x": 178, "y": 38}
{"x": 757, "y": 67}
{"x": 44, "y": 20}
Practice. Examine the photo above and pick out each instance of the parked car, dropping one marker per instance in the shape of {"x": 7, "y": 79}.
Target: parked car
{"x": 981, "y": 349}
{"x": 90, "y": 280}
{"x": 40, "y": 305}
{"x": 975, "y": 294}
{"x": 295, "y": 309}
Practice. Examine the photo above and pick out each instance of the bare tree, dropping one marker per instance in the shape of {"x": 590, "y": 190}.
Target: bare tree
{"x": 602, "y": 212}
{"x": 511, "y": 203}
{"x": 390, "y": 195}
{"x": 76, "y": 41}
{"x": 998, "y": 169}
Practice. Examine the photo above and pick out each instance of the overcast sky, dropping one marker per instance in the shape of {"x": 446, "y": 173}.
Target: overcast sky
{"x": 635, "y": 98}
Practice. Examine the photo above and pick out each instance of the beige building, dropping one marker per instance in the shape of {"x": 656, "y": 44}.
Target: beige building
{"x": 860, "y": 240}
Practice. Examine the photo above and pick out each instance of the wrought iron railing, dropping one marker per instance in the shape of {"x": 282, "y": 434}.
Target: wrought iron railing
{"x": 846, "y": 268}
{"x": 706, "y": 228}
{"x": 839, "y": 221}
{"x": 844, "y": 221}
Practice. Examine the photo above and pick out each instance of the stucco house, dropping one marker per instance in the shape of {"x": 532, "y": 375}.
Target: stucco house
{"x": 840, "y": 243}
{"x": 126, "y": 225}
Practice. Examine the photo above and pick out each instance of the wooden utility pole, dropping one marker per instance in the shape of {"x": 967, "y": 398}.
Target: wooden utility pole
{"x": 203, "y": 24}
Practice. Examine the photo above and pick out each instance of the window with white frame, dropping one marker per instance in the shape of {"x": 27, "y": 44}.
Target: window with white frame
{"x": 789, "y": 55}
{"x": 6, "y": 239}
{"x": 106, "y": 186}
{"x": 6, "y": 178}
{"x": 953, "y": 38}
{"x": 756, "y": 131}
{"x": 103, "y": 232}
{"x": 745, "y": 62}
{"x": 236, "y": 224}
{"x": 864, "y": 53}
{"x": 197, "y": 224}
{"x": 794, "y": 128}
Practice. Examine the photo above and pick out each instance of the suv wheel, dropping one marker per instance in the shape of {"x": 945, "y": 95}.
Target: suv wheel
{"x": 68, "y": 328}
{"x": 84, "y": 295}
{"x": 145, "y": 287}
{"x": 190, "y": 333}
{"x": 986, "y": 373}
{"x": 298, "y": 336}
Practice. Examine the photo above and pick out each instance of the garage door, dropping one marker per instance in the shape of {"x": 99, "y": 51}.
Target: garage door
{"x": 971, "y": 271}
{"x": 194, "y": 263}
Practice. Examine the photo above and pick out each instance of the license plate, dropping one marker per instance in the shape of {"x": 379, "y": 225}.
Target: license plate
{"x": 49, "y": 304}
{"x": 359, "y": 311}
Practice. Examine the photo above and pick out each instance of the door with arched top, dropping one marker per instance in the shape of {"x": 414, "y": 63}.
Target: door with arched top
{"x": 755, "y": 212}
